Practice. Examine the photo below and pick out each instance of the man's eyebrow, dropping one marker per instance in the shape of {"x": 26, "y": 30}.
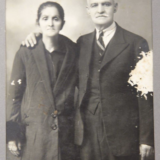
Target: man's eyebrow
{"x": 93, "y": 4}
{"x": 106, "y": 3}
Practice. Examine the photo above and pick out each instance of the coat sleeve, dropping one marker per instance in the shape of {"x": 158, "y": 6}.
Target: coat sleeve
{"x": 17, "y": 87}
{"x": 146, "y": 131}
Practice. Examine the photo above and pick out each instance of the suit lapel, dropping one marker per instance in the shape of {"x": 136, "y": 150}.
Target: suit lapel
{"x": 86, "y": 51}
{"x": 67, "y": 65}
{"x": 115, "y": 47}
{"x": 40, "y": 58}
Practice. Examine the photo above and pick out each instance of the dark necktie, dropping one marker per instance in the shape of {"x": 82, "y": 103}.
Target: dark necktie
{"x": 101, "y": 43}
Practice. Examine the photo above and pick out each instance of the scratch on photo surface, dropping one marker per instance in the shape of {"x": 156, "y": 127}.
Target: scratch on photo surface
{"x": 19, "y": 81}
{"x": 12, "y": 83}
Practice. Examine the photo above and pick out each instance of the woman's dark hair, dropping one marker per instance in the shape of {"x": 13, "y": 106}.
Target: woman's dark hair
{"x": 50, "y": 4}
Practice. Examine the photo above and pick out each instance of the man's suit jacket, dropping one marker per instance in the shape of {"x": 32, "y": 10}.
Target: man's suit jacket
{"x": 128, "y": 119}
{"x": 32, "y": 102}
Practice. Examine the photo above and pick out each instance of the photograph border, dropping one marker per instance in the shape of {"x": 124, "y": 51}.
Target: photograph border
{"x": 156, "y": 50}
{"x": 156, "y": 66}
{"x": 2, "y": 82}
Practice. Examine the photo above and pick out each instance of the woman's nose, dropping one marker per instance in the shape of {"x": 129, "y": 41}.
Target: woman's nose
{"x": 50, "y": 22}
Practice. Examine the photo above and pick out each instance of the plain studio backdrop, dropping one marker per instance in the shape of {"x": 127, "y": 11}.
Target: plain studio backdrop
{"x": 133, "y": 15}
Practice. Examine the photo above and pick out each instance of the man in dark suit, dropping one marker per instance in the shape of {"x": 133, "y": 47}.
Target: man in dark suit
{"x": 115, "y": 122}
{"x": 112, "y": 122}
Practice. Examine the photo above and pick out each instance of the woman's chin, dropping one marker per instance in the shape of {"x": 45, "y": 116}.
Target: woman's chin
{"x": 50, "y": 34}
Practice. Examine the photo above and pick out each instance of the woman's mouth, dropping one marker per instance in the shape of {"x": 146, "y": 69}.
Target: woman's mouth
{"x": 50, "y": 28}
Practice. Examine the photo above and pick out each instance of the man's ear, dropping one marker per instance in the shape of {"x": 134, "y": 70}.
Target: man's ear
{"x": 115, "y": 7}
{"x": 88, "y": 10}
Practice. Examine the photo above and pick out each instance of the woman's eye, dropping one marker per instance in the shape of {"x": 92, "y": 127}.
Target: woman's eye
{"x": 45, "y": 18}
{"x": 56, "y": 19}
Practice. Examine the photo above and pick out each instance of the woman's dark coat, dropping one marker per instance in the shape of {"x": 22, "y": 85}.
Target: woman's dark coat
{"x": 32, "y": 104}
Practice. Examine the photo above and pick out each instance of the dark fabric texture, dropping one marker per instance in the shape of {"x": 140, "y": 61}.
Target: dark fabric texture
{"x": 92, "y": 97}
{"x": 15, "y": 132}
{"x": 32, "y": 102}
{"x": 95, "y": 145}
{"x": 55, "y": 61}
{"x": 128, "y": 119}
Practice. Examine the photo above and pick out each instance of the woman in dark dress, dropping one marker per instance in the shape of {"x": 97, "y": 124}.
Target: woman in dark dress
{"x": 41, "y": 95}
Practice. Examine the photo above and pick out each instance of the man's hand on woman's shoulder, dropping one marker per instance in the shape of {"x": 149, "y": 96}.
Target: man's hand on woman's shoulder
{"x": 30, "y": 40}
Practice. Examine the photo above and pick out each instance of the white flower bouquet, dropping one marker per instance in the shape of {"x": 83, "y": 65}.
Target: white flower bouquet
{"x": 141, "y": 77}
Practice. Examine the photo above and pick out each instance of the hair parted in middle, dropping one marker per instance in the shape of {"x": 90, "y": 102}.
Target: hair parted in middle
{"x": 50, "y": 4}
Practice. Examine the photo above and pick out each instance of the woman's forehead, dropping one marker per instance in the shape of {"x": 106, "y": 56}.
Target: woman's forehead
{"x": 50, "y": 10}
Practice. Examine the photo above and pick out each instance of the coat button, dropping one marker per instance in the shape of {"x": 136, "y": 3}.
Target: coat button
{"x": 54, "y": 126}
{"x": 99, "y": 70}
{"x": 54, "y": 114}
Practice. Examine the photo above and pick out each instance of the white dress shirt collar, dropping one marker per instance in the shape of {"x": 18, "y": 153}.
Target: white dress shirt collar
{"x": 108, "y": 33}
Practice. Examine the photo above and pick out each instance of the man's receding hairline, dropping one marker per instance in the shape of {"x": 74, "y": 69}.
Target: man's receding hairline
{"x": 113, "y": 0}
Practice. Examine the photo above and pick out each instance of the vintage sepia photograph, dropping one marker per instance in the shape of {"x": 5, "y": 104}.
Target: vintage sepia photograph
{"x": 79, "y": 80}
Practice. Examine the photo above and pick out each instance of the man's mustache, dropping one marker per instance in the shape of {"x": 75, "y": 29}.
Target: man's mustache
{"x": 102, "y": 15}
